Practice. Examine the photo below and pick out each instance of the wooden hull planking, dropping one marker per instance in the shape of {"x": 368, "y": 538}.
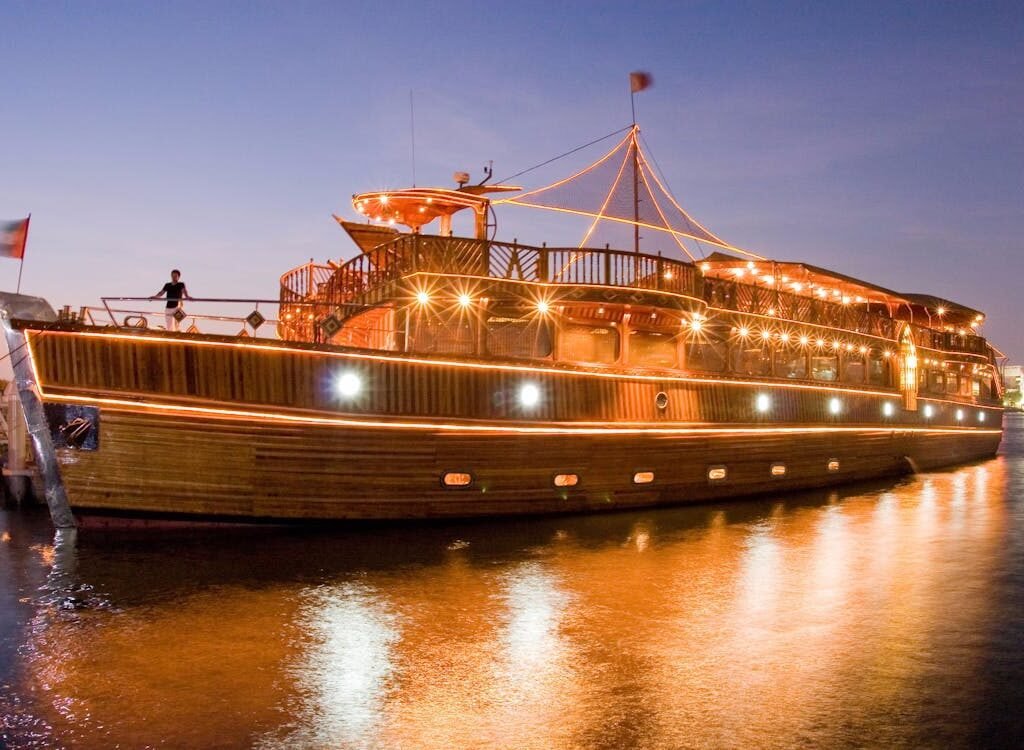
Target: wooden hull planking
{"x": 203, "y": 427}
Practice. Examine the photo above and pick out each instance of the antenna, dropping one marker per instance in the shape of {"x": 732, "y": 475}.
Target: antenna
{"x": 412, "y": 135}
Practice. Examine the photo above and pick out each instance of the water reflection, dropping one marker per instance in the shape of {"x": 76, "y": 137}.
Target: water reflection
{"x": 870, "y": 618}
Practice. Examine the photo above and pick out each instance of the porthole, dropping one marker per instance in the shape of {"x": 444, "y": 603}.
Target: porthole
{"x": 778, "y": 470}
{"x": 661, "y": 400}
{"x": 717, "y": 473}
{"x": 833, "y": 464}
{"x": 456, "y": 479}
{"x": 643, "y": 477}
{"x": 566, "y": 480}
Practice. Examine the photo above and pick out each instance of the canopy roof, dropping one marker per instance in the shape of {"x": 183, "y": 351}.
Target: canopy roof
{"x": 414, "y": 207}
{"x": 813, "y": 281}
{"x": 622, "y": 187}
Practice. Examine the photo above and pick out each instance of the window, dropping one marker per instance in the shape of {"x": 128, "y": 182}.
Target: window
{"x": 717, "y": 473}
{"x": 824, "y": 367}
{"x": 522, "y": 338}
{"x": 936, "y": 381}
{"x": 566, "y": 480}
{"x": 582, "y": 343}
{"x": 791, "y": 362}
{"x": 456, "y": 479}
{"x": 652, "y": 349}
{"x": 643, "y": 477}
{"x": 778, "y": 471}
{"x": 707, "y": 349}
{"x": 436, "y": 336}
{"x": 853, "y": 368}
{"x": 878, "y": 367}
{"x": 753, "y": 358}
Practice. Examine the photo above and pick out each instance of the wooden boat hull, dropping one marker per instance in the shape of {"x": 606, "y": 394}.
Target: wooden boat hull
{"x": 233, "y": 468}
{"x": 199, "y": 426}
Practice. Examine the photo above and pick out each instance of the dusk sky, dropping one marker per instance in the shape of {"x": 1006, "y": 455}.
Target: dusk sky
{"x": 882, "y": 140}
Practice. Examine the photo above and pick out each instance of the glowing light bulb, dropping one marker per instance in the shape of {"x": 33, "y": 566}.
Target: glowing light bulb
{"x": 422, "y": 297}
{"x": 529, "y": 395}
{"x": 348, "y": 385}
{"x": 465, "y": 300}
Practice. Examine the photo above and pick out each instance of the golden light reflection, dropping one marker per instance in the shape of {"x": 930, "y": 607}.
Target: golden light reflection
{"x": 748, "y": 625}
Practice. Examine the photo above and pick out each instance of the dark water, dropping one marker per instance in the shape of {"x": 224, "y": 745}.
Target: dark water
{"x": 890, "y": 615}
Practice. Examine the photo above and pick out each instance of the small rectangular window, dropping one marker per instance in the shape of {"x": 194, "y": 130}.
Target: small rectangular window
{"x": 581, "y": 343}
{"x": 824, "y": 367}
{"x": 456, "y": 479}
{"x": 567, "y": 480}
{"x": 643, "y": 477}
{"x": 853, "y": 368}
{"x": 524, "y": 338}
{"x": 716, "y": 473}
{"x": 778, "y": 470}
{"x": 652, "y": 349}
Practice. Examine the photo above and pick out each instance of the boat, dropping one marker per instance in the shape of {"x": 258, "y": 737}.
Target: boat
{"x": 439, "y": 376}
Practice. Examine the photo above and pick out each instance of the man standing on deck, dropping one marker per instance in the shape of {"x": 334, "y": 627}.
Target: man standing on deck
{"x": 176, "y": 292}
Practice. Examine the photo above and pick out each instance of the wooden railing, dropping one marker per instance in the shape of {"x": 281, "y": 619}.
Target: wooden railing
{"x": 731, "y": 295}
{"x": 364, "y": 279}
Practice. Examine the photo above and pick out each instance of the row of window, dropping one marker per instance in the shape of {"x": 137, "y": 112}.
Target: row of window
{"x": 714, "y": 348}
{"x": 716, "y": 473}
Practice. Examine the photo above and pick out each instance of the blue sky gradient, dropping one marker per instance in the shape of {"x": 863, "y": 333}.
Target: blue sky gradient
{"x": 882, "y": 140}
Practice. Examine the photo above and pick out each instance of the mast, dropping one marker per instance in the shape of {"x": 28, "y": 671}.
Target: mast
{"x": 636, "y": 191}
{"x": 638, "y": 81}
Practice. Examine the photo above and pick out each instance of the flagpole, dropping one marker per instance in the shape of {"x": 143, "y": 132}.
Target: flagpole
{"x": 21, "y": 260}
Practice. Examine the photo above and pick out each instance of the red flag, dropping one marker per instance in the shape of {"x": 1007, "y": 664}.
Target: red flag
{"x": 13, "y": 236}
{"x": 638, "y": 81}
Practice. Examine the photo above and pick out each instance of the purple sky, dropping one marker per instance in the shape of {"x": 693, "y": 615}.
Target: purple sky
{"x": 885, "y": 141}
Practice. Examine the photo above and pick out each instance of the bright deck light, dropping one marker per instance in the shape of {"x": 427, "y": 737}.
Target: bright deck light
{"x": 465, "y": 300}
{"x": 763, "y": 402}
{"x": 834, "y": 406}
{"x": 529, "y": 395}
{"x": 543, "y": 307}
{"x": 888, "y": 409}
{"x": 959, "y": 415}
{"x": 928, "y": 411}
{"x": 981, "y": 416}
{"x": 349, "y": 385}
{"x": 422, "y": 297}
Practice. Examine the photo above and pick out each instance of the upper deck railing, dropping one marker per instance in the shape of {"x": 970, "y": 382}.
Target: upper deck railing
{"x": 360, "y": 277}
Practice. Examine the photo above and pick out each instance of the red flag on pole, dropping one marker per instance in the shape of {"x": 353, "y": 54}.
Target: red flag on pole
{"x": 13, "y": 236}
{"x": 639, "y": 80}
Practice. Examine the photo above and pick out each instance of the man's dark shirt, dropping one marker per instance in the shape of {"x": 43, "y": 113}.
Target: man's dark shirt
{"x": 174, "y": 292}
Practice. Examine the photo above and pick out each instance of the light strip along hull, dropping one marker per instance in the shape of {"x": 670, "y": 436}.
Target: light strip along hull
{"x": 218, "y": 427}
